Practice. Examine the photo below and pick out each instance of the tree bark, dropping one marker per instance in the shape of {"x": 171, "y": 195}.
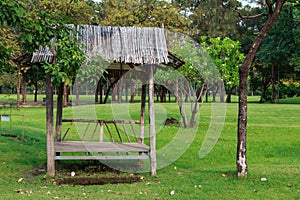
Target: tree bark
{"x": 241, "y": 160}
{"x": 18, "y": 85}
{"x": 49, "y": 127}
{"x": 24, "y": 88}
{"x": 65, "y": 94}
{"x": 132, "y": 93}
{"x": 77, "y": 91}
{"x": 273, "y": 82}
{"x": 97, "y": 92}
{"x": 35, "y": 91}
{"x": 59, "y": 111}
{"x": 228, "y": 98}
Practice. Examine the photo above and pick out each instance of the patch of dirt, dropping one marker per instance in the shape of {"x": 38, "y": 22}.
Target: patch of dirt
{"x": 14, "y": 137}
{"x": 97, "y": 180}
{"x": 91, "y": 173}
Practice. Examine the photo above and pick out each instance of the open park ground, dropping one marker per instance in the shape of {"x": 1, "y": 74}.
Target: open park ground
{"x": 273, "y": 153}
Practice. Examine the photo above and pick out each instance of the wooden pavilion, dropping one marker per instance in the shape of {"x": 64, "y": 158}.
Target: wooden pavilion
{"x": 131, "y": 46}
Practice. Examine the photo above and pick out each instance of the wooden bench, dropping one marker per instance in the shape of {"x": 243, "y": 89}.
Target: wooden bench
{"x": 117, "y": 139}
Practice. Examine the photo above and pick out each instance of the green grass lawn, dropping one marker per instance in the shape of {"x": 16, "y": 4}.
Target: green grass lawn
{"x": 273, "y": 150}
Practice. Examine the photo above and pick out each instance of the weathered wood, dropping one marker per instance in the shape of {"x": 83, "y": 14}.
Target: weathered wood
{"x": 126, "y": 157}
{"x": 152, "y": 123}
{"x": 106, "y": 121}
{"x": 59, "y": 110}
{"x": 101, "y": 132}
{"x": 103, "y": 147}
{"x": 142, "y": 116}
{"x": 49, "y": 127}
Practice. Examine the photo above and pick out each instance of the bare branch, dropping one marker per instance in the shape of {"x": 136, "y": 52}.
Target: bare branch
{"x": 252, "y": 16}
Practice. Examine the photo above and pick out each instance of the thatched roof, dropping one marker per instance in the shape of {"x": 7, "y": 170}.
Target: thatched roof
{"x": 120, "y": 44}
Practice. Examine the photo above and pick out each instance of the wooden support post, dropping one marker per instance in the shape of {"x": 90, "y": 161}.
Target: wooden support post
{"x": 142, "y": 117}
{"x": 152, "y": 122}
{"x": 101, "y": 131}
{"x": 49, "y": 127}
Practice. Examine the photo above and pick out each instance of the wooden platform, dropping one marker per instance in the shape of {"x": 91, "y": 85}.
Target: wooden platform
{"x": 141, "y": 150}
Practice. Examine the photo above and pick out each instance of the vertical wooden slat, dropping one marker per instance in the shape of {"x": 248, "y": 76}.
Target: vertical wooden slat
{"x": 86, "y": 129}
{"x": 152, "y": 122}
{"x": 134, "y": 133}
{"x": 120, "y": 137}
{"x": 94, "y": 131}
{"x": 49, "y": 127}
{"x": 142, "y": 117}
{"x": 101, "y": 131}
{"x": 125, "y": 131}
{"x": 110, "y": 134}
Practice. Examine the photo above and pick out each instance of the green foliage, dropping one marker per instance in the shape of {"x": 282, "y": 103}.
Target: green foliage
{"x": 227, "y": 57}
{"x": 68, "y": 58}
{"x": 215, "y": 18}
{"x": 150, "y": 13}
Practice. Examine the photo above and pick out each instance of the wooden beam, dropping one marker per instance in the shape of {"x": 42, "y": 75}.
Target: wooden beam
{"x": 142, "y": 117}
{"x": 49, "y": 127}
{"x": 152, "y": 133}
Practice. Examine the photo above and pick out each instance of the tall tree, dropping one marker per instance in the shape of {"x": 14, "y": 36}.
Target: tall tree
{"x": 278, "y": 47}
{"x": 215, "y": 19}
{"x": 151, "y": 13}
{"x": 273, "y": 13}
{"x": 227, "y": 57}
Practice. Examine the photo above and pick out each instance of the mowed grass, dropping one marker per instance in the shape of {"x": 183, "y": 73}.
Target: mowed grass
{"x": 273, "y": 150}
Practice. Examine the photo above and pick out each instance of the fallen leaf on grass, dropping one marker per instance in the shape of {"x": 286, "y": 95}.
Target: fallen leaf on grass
{"x": 172, "y": 192}
{"x": 263, "y": 179}
{"x": 224, "y": 175}
{"x": 20, "y": 180}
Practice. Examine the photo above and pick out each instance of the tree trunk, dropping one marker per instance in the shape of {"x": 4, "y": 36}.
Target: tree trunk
{"x": 59, "y": 111}
{"x": 49, "y": 127}
{"x": 222, "y": 91}
{"x": 273, "y": 82}
{"x": 77, "y": 91}
{"x": 35, "y": 91}
{"x": 126, "y": 93}
{"x": 228, "y": 98}
{"x": 18, "y": 85}
{"x": 65, "y": 94}
{"x": 132, "y": 93}
{"x": 24, "y": 88}
{"x": 97, "y": 92}
{"x": 241, "y": 161}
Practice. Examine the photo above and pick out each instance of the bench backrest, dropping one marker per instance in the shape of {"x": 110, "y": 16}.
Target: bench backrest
{"x": 102, "y": 130}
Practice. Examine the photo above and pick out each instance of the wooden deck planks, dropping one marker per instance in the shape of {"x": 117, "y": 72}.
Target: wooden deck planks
{"x": 99, "y": 147}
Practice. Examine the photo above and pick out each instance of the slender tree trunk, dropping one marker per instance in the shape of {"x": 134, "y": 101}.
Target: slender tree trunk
{"x": 241, "y": 161}
{"x": 18, "y": 85}
{"x": 126, "y": 93}
{"x": 35, "y": 91}
{"x": 59, "y": 111}
{"x": 228, "y": 98}
{"x": 222, "y": 91}
{"x": 65, "y": 94}
{"x": 132, "y": 93}
{"x": 97, "y": 92}
{"x": 24, "y": 88}
{"x": 264, "y": 90}
{"x": 77, "y": 91}
{"x": 176, "y": 90}
{"x": 49, "y": 127}
{"x": 273, "y": 82}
